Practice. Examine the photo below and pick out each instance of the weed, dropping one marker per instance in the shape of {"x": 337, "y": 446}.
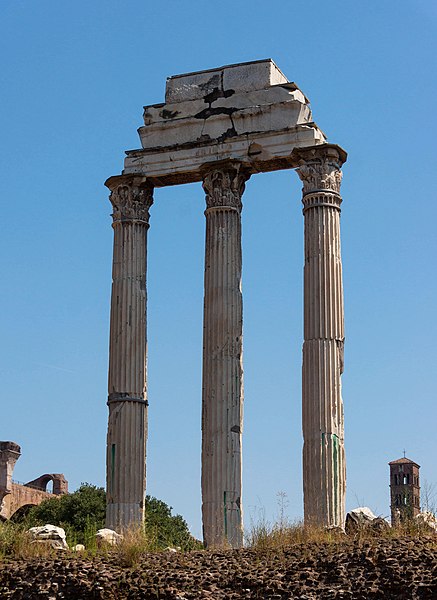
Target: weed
{"x": 133, "y": 545}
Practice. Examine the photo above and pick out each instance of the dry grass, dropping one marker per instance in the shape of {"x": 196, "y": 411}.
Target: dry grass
{"x": 15, "y": 542}
{"x": 264, "y": 536}
{"x": 133, "y": 546}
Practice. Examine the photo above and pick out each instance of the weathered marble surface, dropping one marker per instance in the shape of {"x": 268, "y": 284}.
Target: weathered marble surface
{"x": 222, "y": 378}
{"x": 221, "y": 126}
{"x": 247, "y": 112}
{"x": 324, "y": 469}
{"x": 131, "y": 198}
{"x": 242, "y": 77}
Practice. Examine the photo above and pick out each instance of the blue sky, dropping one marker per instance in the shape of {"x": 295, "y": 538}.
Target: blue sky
{"x": 74, "y": 78}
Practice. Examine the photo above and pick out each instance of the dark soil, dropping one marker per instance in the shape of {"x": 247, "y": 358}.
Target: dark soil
{"x": 383, "y": 569}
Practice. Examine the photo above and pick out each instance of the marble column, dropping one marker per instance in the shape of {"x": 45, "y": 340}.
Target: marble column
{"x": 131, "y": 197}
{"x": 324, "y": 471}
{"x": 222, "y": 389}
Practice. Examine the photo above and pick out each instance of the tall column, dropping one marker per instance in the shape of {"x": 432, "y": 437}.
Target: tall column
{"x": 131, "y": 197}
{"x": 324, "y": 471}
{"x": 222, "y": 390}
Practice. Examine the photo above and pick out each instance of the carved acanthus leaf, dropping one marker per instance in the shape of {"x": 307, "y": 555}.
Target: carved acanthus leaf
{"x": 325, "y": 174}
{"x": 131, "y": 202}
{"x": 224, "y": 187}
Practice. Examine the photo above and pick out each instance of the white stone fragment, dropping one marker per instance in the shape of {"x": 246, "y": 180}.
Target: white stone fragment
{"x": 363, "y": 513}
{"x": 427, "y": 519}
{"x": 49, "y": 534}
{"x": 78, "y": 548}
{"x": 363, "y": 518}
{"x": 108, "y": 536}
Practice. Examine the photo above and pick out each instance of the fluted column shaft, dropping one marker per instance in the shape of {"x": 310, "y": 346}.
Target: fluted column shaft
{"x": 131, "y": 197}
{"x": 324, "y": 471}
{"x": 222, "y": 390}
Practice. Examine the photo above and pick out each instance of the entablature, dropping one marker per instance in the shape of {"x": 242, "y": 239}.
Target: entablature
{"x": 247, "y": 112}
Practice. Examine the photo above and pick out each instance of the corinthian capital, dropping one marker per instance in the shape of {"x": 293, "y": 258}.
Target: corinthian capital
{"x": 224, "y": 186}
{"x": 319, "y": 167}
{"x": 131, "y": 197}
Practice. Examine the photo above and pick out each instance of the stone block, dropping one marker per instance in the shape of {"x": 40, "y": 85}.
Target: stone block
{"x": 192, "y": 86}
{"x": 252, "y": 76}
{"x": 216, "y": 115}
{"x": 49, "y": 535}
{"x": 108, "y": 537}
{"x": 362, "y": 518}
{"x": 242, "y": 77}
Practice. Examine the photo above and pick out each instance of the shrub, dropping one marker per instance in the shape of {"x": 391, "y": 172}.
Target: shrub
{"x": 82, "y": 513}
{"x": 167, "y": 529}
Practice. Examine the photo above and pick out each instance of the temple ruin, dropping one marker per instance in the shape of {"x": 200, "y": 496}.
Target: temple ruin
{"x": 220, "y": 127}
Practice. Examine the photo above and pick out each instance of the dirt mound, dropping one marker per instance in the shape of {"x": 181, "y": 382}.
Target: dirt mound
{"x": 386, "y": 569}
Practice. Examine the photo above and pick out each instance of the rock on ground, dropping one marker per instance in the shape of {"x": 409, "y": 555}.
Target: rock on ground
{"x": 427, "y": 520}
{"x": 49, "y": 534}
{"x": 108, "y": 536}
{"x": 363, "y": 518}
{"x": 389, "y": 569}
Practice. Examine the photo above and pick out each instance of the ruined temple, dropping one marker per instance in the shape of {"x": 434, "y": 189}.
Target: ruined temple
{"x": 220, "y": 127}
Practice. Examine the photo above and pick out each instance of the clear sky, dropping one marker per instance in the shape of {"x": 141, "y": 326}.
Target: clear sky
{"x": 74, "y": 77}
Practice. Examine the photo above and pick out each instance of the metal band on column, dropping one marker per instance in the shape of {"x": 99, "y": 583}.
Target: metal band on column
{"x": 324, "y": 471}
{"x": 222, "y": 390}
{"x": 131, "y": 197}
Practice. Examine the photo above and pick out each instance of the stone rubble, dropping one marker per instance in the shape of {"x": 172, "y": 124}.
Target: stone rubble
{"x": 363, "y": 518}
{"x": 427, "y": 520}
{"x": 50, "y": 535}
{"x": 108, "y": 537}
{"x": 395, "y": 568}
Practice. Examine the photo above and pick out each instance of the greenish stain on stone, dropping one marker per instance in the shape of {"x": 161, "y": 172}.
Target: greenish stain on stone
{"x": 335, "y": 442}
{"x": 112, "y": 467}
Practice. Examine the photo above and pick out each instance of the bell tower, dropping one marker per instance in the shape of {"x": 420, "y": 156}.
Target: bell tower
{"x": 404, "y": 490}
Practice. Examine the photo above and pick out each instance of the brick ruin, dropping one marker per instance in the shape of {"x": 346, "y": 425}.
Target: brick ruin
{"x": 15, "y": 496}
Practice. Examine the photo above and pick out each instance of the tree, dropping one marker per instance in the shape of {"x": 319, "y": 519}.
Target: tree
{"x": 167, "y": 529}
